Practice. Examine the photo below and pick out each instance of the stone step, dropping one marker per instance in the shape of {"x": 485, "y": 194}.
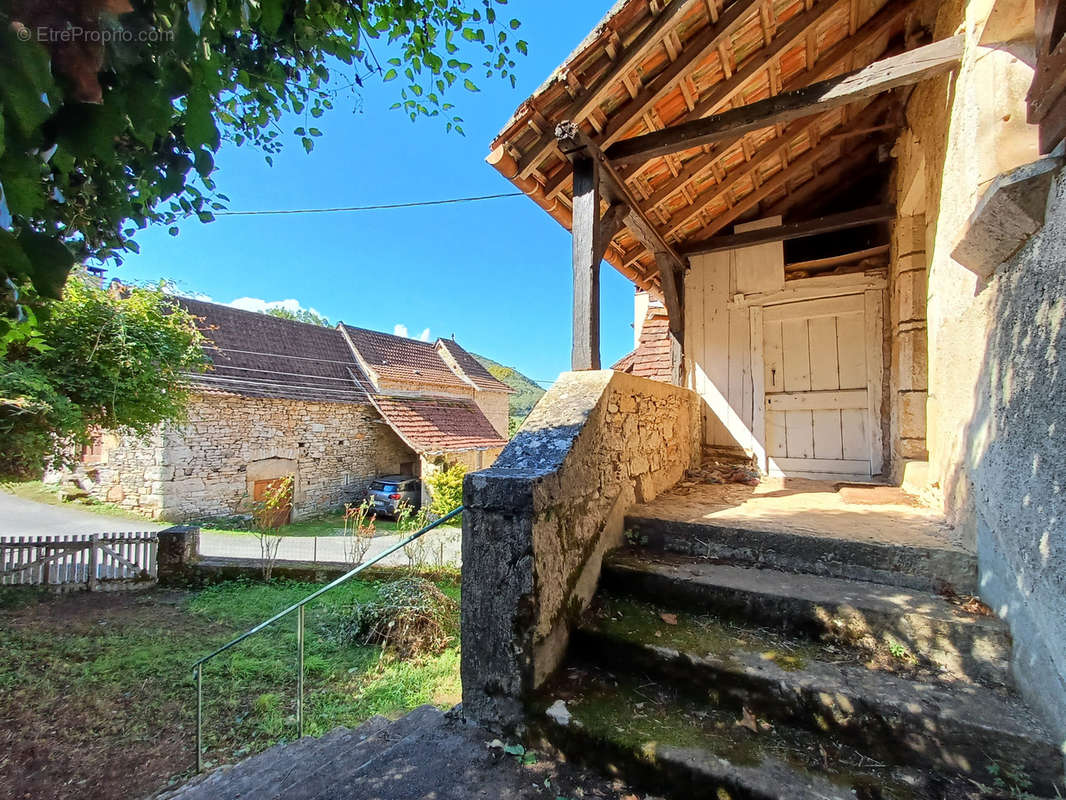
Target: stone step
{"x": 909, "y": 566}
{"x": 346, "y": 765}
{"x": 955, "y": 728}
{"x": 662, "y": 741}
{"x": 926, "y": 626}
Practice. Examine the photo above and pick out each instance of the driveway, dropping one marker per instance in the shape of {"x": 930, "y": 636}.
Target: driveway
{"x": 20, "y": 517}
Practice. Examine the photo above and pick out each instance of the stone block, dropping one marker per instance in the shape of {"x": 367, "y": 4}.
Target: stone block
{"x": 912, "y": 360}
{"x": 912, "y": 415}
{"x": 116, "y": 494}
{"x": 1009, "y": 212}
{"x": 910, "y": 291}
{"x": 908, "y": 235}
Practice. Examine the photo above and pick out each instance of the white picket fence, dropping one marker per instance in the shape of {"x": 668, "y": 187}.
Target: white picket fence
{"x": 82, "y": 560}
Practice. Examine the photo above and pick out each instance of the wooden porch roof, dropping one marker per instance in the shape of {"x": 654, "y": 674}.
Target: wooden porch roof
{"x": 655, "y": 64}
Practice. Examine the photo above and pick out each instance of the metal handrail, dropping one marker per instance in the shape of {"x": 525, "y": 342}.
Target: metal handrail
{"x": 198, "y": 667}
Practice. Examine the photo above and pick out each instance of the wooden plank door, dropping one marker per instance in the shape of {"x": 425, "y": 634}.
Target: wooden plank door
{"x": 281, "y": 514}
{"x": 822, "y": 374}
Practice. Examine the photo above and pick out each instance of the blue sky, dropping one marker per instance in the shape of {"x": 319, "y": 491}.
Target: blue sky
{"x": 497, "y": 274}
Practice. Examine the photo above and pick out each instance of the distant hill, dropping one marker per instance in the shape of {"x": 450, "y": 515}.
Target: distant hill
{"x": 527, "y": 391}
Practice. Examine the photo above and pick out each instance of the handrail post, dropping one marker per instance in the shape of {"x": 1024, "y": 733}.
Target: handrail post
{"x": 300, "y": 673}
{"x": 199, "y": 718}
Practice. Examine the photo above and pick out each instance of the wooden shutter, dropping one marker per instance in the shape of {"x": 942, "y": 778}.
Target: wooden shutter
{"x": 1047, "y": 95}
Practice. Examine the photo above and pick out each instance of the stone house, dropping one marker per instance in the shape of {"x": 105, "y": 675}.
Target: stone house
{"x": 846, "y": 227}
{"x": 329, "y": 407}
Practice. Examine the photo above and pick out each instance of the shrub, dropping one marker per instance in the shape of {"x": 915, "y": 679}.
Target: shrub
{"x": 410, "y": 618}
{"x": 446, "y": 488}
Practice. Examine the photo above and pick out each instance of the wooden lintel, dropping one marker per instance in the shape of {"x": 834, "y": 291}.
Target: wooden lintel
{"x": 795, "y": 230}
{"x": 881, "y": 76}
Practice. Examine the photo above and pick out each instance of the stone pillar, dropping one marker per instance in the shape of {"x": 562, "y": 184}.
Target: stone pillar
{"x": 178, "y": 552}
{"x": 910, "y": 361}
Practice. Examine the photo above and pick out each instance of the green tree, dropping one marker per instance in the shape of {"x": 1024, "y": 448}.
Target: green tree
{"x": 301, "y": 315}
{"x": 114, "y": 128}
{"x": 98, "y": 360}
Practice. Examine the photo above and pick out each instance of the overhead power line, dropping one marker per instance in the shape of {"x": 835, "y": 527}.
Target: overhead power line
{"x": 378, "y": 207}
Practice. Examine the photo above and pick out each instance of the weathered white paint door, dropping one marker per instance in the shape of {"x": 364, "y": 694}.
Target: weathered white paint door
{"x": 822, "y": 374}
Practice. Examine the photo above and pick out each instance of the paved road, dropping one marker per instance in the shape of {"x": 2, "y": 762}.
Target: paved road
{"x": 20, "y": 517}
{"x": 440, "y": 546}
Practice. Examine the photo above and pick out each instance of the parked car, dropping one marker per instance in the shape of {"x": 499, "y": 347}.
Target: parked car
{"x": 391, "y": 491}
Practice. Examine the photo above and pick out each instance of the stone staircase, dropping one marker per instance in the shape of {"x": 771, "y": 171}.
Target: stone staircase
{"x": 736, "y": 663}
{"x": 425, "y": 755}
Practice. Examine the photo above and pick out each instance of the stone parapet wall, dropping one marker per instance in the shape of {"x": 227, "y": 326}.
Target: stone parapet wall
{"x": 539, "y": 522}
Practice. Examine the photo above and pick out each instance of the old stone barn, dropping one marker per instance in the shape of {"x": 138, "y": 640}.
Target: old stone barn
{"x": 331, "y": 408}
{"x": 808, "y": 539}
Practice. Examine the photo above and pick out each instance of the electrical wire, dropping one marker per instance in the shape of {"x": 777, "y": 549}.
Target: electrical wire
{"x": 378, "y": 207}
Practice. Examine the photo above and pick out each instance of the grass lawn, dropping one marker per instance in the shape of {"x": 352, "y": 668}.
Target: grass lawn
{"x": 44, "y": 493}
{"x": 97, "y": 695}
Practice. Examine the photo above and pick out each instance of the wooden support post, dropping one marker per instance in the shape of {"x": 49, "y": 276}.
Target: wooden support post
{"x": 673, "y": 283}
{"x": 587, "y": 256}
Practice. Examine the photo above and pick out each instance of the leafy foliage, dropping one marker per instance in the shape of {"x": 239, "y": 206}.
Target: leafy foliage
{"x": 114, "y": 127}
{"x": 97, "y": 361}
{"x": 446, "y": 488}
{"x": 300, "y": 315}
{"x": 410, "y": 618}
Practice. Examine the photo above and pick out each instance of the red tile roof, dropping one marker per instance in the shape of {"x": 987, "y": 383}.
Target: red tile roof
{"x": 258, "y": 355}
{"x": 474, "y": 369}
{"x": 438, "y": 425}
{"x": 651, "y": 359}
{"x": 402, "y": 359}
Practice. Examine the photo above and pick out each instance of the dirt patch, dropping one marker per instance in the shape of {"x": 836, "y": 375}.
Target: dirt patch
{"x": 64, "y": 738}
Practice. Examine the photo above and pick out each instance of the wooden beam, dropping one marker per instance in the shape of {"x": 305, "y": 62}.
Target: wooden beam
{"x": 835, "y": 261}
{"x": 767, "y": 151}
{"x": 700, "y": 47}
{"x": 850, "y": 169}
{"x": 575, "y": 144}
{"x": 587, "y": 253}
{"x": 795, "y": 230}
{"x": 581, "y": 150}
{"x": 588, "y": 99}
{"x": 723, "y": 92}
{"x": 881, "y": 76}
{"x": 883, "y": 24}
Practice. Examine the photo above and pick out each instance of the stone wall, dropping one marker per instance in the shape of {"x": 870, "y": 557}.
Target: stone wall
{"x": 996, "y": 431}
{"x": 207, "y": 466}
{"x": 540, "y": 520}
{"x": 496, "y": 407}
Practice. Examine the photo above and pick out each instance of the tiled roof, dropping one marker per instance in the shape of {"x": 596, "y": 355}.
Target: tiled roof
{"x": 651, "y": 359}
{"x": 438, "y": 425}
{"x": 474, "y": 369}
{"x": 257, "y": 355}
{"x": 402, "y": 359}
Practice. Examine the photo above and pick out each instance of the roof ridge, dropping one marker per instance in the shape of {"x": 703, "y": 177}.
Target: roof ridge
{"x": 391, "y": 335}
{"x": 183, "y": 298}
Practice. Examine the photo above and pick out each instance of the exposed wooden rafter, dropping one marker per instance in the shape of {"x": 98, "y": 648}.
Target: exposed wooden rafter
{"x": 591, "y": 96}
{"x": 795, "y": 230}
{"x": 881, "y": 76}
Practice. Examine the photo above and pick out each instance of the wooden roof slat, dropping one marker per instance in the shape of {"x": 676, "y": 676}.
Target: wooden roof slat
{"x": 902, "y": 70}
{"x": 726, "y": 91}
{"x": 826, "y": 179}
{"x": 649, "y": 38}
{"x": 696, "y": 51}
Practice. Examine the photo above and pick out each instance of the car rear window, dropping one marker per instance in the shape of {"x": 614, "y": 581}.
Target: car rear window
{"x": 384, "y": 487}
